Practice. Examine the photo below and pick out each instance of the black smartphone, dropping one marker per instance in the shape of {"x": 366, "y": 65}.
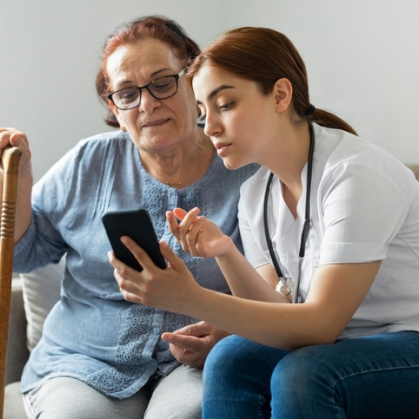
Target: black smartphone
{"x": 137, "y": 225}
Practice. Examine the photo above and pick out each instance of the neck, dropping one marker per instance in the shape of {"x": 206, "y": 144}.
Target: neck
{"x": 289, "y": 154}
{"x": 287, "y": 160}
{"x": 182, "y": 166}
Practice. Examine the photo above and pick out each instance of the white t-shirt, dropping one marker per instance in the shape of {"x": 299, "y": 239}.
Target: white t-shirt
{"x": 364, "y": 207}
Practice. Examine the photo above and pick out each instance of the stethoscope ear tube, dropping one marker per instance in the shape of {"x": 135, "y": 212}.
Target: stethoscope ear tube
{"x": 306, "y": 227}
{"x": 265, "y": 222}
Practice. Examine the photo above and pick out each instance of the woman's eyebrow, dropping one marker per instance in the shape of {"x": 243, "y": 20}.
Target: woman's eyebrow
{"x": 214, "y": 92}
{"x": 151, "y": 76}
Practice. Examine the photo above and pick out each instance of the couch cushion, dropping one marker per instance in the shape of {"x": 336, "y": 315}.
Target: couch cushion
{"x": 41, "y": 290}
{"x": 17, "y": 353}
{"x": 415, "y": 169}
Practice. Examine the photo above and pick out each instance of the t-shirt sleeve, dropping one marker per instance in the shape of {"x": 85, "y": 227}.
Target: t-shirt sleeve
{"x": 363, "y": 209}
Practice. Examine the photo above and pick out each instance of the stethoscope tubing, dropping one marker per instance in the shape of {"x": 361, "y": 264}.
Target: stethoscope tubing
{"x": 307, "y": 220}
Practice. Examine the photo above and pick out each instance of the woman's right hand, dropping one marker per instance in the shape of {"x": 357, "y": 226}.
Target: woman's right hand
{"x": 15, "y": 138}
{"x": 198, "y": 235}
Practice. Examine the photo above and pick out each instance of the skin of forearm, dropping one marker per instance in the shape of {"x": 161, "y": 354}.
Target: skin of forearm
{"x": 319, "y": 320}
{"x": 286, "y": 326}
{"x": 243, "y": 279}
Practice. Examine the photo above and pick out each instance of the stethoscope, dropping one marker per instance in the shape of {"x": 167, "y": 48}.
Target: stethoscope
{"x": 286, "y": 289}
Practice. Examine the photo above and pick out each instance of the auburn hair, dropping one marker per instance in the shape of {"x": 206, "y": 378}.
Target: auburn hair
{"x": 148, "y": 27}
{"x": 264, "y": 56}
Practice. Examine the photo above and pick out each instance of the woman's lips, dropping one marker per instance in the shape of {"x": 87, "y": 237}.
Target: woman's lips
{"x": 222, "y": 148}
{"x": 155, "y": 123}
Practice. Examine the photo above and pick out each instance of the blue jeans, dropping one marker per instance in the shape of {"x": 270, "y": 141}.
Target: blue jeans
{"x": 369, "y": 377}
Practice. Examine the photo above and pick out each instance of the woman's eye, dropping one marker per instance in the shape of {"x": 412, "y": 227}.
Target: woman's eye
{"x": 128, "y": 94}
{"x": 227, "y": 105}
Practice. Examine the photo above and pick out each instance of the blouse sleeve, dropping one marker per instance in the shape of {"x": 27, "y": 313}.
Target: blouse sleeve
{"x": 363, "y": 209}
{"x": 43, "y": 243}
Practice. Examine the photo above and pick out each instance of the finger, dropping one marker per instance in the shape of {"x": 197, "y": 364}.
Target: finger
{"x": 128, "y": 279}
{"x": 120, "y": 266}
{"x": 189, "y": 343}
{"x": 13, "y": 137}
{"x": 185, "y": 226}
{"x": 139, "y": 253}
{"x": 180, "y": 213}
{"x": 201, "y": 241}
{"x": 197, "y": 329}
{"x": 132, "y": 298}
{"x": 173, "y": 225}
{"x": 5, "y": 138}
{"x": 129, "y": 290}
{"x": 192, "y": 236}
{"x": 174, "y": 261}
{"x": 188, "y": 358}
{"x": 179, "y": 230}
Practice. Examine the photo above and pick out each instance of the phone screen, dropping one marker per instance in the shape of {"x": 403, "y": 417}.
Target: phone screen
{"x": 137, "y": 225}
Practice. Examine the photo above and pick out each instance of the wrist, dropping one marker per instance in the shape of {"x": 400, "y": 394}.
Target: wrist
{"x": 227, "y": 249}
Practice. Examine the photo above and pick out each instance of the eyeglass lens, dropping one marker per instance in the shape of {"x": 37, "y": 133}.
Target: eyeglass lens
{"x": 161, "y": 88}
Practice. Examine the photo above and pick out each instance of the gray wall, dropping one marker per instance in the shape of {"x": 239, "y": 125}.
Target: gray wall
{"x": 361, "y": 55}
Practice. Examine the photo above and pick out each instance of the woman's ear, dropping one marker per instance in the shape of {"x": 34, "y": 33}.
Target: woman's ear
{"x": 282, "y": 92}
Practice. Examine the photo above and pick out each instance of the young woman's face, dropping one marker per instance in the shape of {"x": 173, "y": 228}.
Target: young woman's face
{"x": 155, "y": 125}
{"x": 239, "y": 118}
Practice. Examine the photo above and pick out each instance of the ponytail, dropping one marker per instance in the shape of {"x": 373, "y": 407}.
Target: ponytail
{"x": 329, "y": 120}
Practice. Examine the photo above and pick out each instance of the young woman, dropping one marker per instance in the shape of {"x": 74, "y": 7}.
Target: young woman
{"x": 330, "y": 221}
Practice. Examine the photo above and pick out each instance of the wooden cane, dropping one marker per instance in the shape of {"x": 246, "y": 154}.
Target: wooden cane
{"x": 10, "y": 158}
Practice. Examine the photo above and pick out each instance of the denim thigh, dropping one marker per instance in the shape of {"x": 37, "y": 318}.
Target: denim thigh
{"x": 236, "y": 379}
{"x": 368, "y": 377}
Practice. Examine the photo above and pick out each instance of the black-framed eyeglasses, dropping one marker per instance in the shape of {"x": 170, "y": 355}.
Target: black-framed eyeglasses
{"x": 161, "y": 88}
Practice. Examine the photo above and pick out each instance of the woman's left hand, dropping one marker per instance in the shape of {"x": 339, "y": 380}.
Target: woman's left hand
{"x": 171, "y": 289}
{"x": 192, "y": 344}
{"x": 198, "y": 235}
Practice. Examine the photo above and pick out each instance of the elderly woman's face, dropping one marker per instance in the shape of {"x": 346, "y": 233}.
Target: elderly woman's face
{"x": 155, "y": 125}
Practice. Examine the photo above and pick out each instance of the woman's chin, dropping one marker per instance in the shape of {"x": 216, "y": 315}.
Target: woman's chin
{"x": 233, "y": 165}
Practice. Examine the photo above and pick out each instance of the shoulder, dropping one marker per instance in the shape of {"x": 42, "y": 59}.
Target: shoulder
{"x": 335, "y": 147}
{"x": 342, "y": 155}
{"x": 99, "y": 150}
{"x": 104, "y": 141}
{"x": 90, "y": 156}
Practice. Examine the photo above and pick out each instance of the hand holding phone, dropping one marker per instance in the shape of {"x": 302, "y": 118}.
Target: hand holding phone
{"x": 137, "y": 225}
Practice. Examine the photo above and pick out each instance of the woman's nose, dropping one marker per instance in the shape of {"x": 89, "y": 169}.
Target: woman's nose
{"x": 148, "y": 102}
{"x": 212, "y": 127}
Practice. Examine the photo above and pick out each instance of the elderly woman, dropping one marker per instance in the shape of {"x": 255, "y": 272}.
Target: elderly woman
{"x": 101, "y": 356}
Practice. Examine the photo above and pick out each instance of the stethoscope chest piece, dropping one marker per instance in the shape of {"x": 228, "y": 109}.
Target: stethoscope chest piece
{"x": 286, "y": 288}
